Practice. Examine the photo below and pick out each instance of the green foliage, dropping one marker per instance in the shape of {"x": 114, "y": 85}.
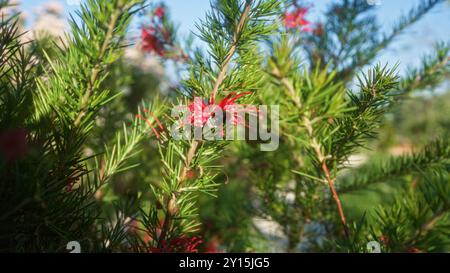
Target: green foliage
{"x": 79, "y": 172}
{"x": 351, "y": 37}
{"x": 369, "y": 105}
{"x": 417, "y": 221}
{"x": 188, "y": 167}
{"x": 435, "y": 69}
{"x": 432, "y": 122}
{"x": 435, "y": 156}
{"x": 323, "y": 124}
{"x": 48, "y": 196}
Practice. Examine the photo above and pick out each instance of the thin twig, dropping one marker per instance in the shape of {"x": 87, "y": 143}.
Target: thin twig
{"x": 427, "y": 226}
{"x": 289, "y": 87}
{"x": 336, "y": 198}
{"x": 189, "y": 157}
{"x": 322, "y": 159}
{"x": 232, "y": 50}
{"x": 194, "y": 145}
{"x": 219, "y": 80}
{"x": 317, "y": 148}
{"x": 97, "y": 68}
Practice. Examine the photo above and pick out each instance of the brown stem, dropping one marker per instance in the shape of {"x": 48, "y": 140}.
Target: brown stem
{"x": 290, "y": 88}
{"x": 316, "y": 146}
{"x": 167, "y": 216}
{"x": 194, "y": 145}
{"x": 432, "y": 222}
{"x": 97, "y": 68}
{"x": 336, "y": 198}
{"x": 219, "y": 80}
{"x": 232, "y": 50}
{"x": 427, "y": 226}
{"x": 432, "y": 71}
{"x": 322, "y": 158}
{"x": 189, "y": 156}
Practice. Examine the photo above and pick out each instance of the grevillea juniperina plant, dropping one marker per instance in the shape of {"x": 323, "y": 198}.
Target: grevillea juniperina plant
{"x": 260, "y": 123}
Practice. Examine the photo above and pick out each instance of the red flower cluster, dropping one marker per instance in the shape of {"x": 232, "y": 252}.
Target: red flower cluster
{"x": 13, "y": 144}
{"x": 296, "y": 19}
{"x": 179, "y": 245}
{"x": 159, "y": 12}
{"x": 150, "y": 41}
{"x": 155, "y": 36}
{"x": 202, "y": 112}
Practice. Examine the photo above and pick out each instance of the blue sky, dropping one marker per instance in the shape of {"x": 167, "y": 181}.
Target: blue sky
{"x": 407, "y": 49}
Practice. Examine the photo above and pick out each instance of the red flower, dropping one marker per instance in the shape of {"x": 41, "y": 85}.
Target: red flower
{"x": 150, "y": 41}
{"x": 159, "y": 12}
{"x": 200, "y": 115}
{"x": 13, "y": 144}
{"x": 296, "y": 19}
{"x": 385, "y": 240}
{"x": 179, "y": 245}
{"x": 213, "y": 246}
{"x": 191, "y": 174}
{"x": 227, "y": 104}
